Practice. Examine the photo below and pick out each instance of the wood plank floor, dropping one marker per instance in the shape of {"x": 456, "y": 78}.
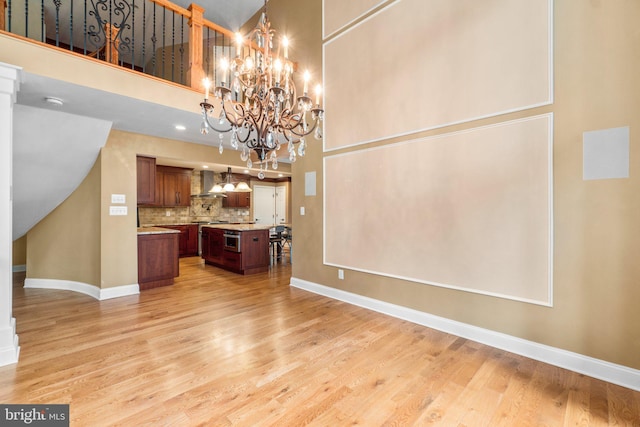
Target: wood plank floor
{"x": 218, "y": 349}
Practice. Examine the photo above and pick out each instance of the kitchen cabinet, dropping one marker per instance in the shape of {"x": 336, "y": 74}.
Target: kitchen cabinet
{"x": 158, "y": 261}
{"x": 162, "y": 185}
{"x": 252, "y": 258}
{"x": 175, "y": 186}
{"x": 237, "y": 200}
{"x": 188, "y": 240}
{"x": 213, "y": 245}
{"x": 146, "y": 180}
{"x": 255, "y": 250}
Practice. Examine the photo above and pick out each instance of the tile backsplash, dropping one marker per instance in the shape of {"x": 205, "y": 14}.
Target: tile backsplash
{"x": 201, "y": 209}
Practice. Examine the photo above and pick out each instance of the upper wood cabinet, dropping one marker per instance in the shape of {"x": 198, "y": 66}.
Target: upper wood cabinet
{"x": 173, "y": 186}
{"x": 146, "y": 180}
{"x": 237, "y": 200}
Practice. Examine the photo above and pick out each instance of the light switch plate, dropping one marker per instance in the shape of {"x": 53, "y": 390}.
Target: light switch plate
{"x": 301, "y": 210}
{"x": 117, "y": 210}
{"x": 118, "y": 198}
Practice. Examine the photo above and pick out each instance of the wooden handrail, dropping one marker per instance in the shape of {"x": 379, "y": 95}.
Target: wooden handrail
{"x": 173, "y": 7}
{"x": 218, "y": 28}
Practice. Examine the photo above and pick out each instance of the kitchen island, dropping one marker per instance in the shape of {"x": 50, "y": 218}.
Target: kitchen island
{"x": 158, "y": 261}
{"x": 241, "y": 248}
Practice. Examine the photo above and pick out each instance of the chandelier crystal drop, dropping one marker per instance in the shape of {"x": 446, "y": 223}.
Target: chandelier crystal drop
{"x": 259, "y": 102}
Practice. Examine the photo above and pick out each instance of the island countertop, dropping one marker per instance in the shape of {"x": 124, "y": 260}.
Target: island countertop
{"x": 155, "y": 230}
{"x": 239, "y": 227}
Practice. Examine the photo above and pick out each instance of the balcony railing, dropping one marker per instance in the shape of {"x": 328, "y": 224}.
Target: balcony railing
{"x": 155, "y": 37}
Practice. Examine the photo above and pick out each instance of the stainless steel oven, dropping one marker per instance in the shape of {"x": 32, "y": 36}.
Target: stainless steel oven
{"x": 231, "y": 241}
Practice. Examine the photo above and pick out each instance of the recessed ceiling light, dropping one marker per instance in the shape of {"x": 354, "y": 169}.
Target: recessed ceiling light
{"x": 57, "y": 102}
{"x": 180, "y": 127}
{"x": 246, "y": 171}
{"x": 205, "y": 167}
{"x": 280, "y": 175}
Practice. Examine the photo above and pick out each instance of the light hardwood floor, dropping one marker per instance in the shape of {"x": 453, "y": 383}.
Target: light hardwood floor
{"x": 219, "y": 349}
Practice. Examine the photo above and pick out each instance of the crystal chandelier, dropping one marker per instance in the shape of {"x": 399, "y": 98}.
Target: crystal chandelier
{"x": 259, "y": 103}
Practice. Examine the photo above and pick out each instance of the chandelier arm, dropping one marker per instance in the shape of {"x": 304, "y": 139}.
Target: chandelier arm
{"x": 296, "y": 119}
{"x": 228, "y": 117}
{"x": 302, "y": 134}
{"x": 244, "y": 140}
{"x": 206, "y": 118}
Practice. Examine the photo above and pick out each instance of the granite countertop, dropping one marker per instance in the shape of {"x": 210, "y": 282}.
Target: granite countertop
{"x": 168, "y": 225}
{"x": 195, "y": 223}
{"x": 155, "y": 230}
{"x": 239, "y": 227}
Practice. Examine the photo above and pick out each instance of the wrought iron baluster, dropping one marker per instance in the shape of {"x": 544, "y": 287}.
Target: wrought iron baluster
{"x": 153, "y": 43}
{"x": 133, "y": 34}
{"x": 164, "y": 37}
{"x": 71, "y": 26}
{"x": 26, "y": 19}
{"x": 9, "y": 15}
{"x": 43, "y": 36}
{"x": 96, "y": 33}
{"x": 84, "y": 28}
{"x": 122, "y": 11}
{"x": 182, "y": 50}
{"x": 107, "y": 55}
{"x": 144, "y": 33}
{"x": 173, "y": 44}
{"x": 57, "y": 4}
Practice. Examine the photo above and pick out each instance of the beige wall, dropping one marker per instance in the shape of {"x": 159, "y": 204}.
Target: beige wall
{"x": 596, "y": 236}
{"x": 65, "y": 245}
{"x": 20, "y": 251}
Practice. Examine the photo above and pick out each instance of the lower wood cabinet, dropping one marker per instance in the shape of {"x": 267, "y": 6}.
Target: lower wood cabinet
{"x": 252, "y": 258}
{"x": 157, "y": 259}
{"x": 213, "y": 245}
{"x": 188, "y": 244}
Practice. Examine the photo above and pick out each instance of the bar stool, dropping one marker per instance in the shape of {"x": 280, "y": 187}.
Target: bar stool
{"x": 276, "y": 242}
{"x": 287, "y": 241}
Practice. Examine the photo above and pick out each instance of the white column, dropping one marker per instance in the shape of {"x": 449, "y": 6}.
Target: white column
{"x": 9, "y": 86}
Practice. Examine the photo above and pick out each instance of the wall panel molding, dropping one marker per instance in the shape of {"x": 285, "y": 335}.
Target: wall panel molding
{"x": 417, "y": 65}
{"x": 468, "y": 210}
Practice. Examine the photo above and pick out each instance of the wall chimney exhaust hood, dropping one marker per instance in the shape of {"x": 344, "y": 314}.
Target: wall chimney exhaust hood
{"x": 206, "y": 183}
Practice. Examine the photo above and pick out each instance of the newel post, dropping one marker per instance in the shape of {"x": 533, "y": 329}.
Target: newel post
{"x": 195, "y": 73}
{"x": 3, "y": 11}
{"x": 111, "y": 44}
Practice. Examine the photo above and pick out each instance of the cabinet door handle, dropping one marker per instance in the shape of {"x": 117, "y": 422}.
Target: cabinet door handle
{"x": 255, "y": 239}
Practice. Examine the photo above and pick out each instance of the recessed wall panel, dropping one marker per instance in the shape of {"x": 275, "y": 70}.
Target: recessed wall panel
{"x": 467, "y": 210}
{"x": 435, "y": 63}
{"x": 338, "y": 13}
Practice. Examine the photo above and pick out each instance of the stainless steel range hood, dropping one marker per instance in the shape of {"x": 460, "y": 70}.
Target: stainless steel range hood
{"x": 206, "y": 182}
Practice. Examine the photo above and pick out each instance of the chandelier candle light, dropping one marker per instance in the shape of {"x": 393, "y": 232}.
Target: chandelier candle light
{"x": 259, "y": 104}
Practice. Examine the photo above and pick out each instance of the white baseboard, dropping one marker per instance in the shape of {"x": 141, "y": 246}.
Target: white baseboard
{"x": 119, "y": 291}
{"x": 606, "y": 371}
{"x": 19, "y": 268}
{"x": 83, "y": 288}
{"x": 9, "y": 348}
